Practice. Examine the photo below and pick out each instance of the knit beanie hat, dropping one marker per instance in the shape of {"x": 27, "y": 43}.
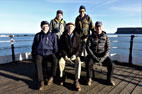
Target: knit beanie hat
{"x": 44, "y": 22}
{"x": 82, "y": 7}
{"x": 60, "y": 12}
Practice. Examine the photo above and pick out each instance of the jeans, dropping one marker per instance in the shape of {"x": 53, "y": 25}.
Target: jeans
{"x": 107, "y": 62}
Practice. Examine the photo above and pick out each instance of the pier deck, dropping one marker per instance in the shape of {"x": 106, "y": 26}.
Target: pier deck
{"x": 18, "y": 78}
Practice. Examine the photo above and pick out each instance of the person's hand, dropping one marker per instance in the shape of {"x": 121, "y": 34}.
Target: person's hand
{"x": 73, "y": 57}
{"x": 66, "y": 58}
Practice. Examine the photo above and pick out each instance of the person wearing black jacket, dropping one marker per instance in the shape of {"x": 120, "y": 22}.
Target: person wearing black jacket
{"x": 70, "y": 50}
{"x": 44, "y": 49}
{"x": 98, "y": 48}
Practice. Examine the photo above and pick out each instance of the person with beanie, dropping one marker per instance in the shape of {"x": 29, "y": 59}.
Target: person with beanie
{"x": 57, "y": 25}
{"x": 84, "y": 25}
{"x": 44, "y": 48}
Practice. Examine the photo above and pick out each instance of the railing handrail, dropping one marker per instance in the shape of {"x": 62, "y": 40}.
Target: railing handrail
{"x": 116, "y": 41}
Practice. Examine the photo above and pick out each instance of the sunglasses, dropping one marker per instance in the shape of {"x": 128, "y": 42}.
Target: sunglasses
{"x": 81, "y": 11}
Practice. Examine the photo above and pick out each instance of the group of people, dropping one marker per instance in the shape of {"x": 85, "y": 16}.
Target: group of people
{"x": 59, "y": 42}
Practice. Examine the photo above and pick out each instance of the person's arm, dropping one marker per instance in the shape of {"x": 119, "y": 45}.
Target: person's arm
{"x": 107, "y": 47}
{"x": 89, "y": 51}
{"x": 91, "y": 25}
{"x": 34, "y": 45}
{"x": 55, "y": 44}
{"x": 51, "y": 25}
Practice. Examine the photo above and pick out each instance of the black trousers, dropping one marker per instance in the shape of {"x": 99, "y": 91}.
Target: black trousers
{"x": 41, "y": 63}
{"x": 107, "y": 62}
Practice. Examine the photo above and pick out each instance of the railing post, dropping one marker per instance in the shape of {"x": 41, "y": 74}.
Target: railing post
{"x": 12, "y": 47}
{"x": 131, "y": 49}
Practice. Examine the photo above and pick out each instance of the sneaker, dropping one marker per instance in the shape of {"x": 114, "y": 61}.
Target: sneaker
{"x": 50, "y": 81}
{"x": 89, "y": 82}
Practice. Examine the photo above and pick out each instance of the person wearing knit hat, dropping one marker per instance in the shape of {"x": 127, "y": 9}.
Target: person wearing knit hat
{"x": 44, "y": 48}
{"x": 84, "y": 25}
{"x": 57, "y": 25}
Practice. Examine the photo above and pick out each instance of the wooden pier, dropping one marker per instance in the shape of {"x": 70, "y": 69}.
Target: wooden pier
{"x": 19, "y": 78}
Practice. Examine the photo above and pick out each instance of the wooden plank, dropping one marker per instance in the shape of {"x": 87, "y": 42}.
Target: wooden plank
{"x": 11, "y": 86}
{"x": 138, "y": 88}
{"x": 128, "y": 89}
{"x": 117, "y": 80}
{"x": 123, "y": 83}
{"x": 100, "y": 88}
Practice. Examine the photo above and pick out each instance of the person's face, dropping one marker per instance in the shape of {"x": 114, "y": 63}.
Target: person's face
{"x": 59, "y": 16}
{"x": 82, "y": 12}
{"x": 98, "y": 29}
{"x": 45, "y": 28}
{"x": 70, "y": 29}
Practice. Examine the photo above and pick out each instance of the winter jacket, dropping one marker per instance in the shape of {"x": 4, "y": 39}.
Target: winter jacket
{"x": 57, "y": 27}
{"x": 44, "y": 44}
{"x": 84, "y": 25}
{"x": 98, "y": 46}
{"x": 66, "y": 49}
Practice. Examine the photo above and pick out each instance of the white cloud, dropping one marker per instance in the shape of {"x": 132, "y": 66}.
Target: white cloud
{"x": 105, "y": 3}
{"x": 134, "y": 9}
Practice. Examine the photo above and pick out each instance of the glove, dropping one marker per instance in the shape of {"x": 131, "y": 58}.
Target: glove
{"x": 73, "y": 57}
{"x": 66, "y": 58}
{"x": 101, "y": 60}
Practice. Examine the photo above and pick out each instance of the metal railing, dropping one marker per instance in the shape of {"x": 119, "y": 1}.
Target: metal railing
{"x": 113, "y": 41}
{"x": 131, "y": 49}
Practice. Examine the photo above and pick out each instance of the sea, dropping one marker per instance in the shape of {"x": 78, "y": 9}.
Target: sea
{"x": 120, "y": 43}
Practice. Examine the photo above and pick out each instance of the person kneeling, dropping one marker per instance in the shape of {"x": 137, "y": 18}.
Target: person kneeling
{"x": 69, "y": 49}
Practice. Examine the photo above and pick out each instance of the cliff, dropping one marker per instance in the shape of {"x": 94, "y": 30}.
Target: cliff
{"x": 131, "y": 30}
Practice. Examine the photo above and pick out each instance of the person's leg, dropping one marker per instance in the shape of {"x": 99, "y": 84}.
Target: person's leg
{"x": 61, "y": 68}
{"x": 52, "y": 58}
{"x": 110, "y": 67}
{"x": 89, "y": 66}
{"x": 38, "y": 62}
{"x": 77, "y": 68}
{"x": 77, "y": 73}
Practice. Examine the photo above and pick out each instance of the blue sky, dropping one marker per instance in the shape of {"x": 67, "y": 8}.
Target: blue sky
{"x": 24, "y": 16}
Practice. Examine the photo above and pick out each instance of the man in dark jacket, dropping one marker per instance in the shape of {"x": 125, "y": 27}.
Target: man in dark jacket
{"x": 44, "y": 49}
{"x": 83, "y": 25}
{"x": 98, "y": 48}
{"x": 69, "y": 49}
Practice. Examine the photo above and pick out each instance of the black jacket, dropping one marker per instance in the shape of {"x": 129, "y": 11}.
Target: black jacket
{"x": 66, "y": 49}
{"x": 98, "y": 46}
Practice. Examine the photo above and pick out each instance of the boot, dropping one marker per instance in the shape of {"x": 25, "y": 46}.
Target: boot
{"x": 89, "y": 82}
{"x": 77, "y": 85}
{"x": 50, "y": 81}
{"x": 41, "y": 85}
{"x": 110, "y": 82}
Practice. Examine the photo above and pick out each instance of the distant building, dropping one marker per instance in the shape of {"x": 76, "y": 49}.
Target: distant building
{"x": 129, "y": 30}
